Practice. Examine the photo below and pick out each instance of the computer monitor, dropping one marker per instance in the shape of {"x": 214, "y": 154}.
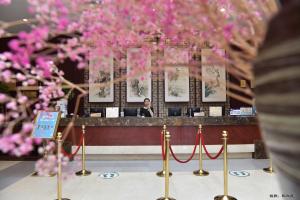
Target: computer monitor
{"x": 173, "y": 112}
{"x": 98, "y": 110}
{"x": 129, "y": 112}
{"x": 192, "y": 110}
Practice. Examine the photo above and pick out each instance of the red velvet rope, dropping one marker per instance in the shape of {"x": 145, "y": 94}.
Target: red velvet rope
{"x": 207, "y": 153}
{"x": 163, "y": 153}
{"x": 193, "y": 153}
{"x": 76, "y": 151}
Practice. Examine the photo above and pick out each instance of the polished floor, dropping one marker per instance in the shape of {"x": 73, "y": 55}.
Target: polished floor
{"x": 137, "y": 181}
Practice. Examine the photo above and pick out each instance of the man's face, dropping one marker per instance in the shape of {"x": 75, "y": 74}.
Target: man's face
{"x": 147, "y": 103}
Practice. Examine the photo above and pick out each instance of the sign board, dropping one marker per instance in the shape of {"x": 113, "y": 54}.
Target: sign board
{"x": 112, "y": 112}
{"x": 46, "y": 124}
{"x": 215, "y": 111}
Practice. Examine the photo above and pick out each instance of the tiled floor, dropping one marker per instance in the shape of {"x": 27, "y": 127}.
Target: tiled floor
{"x": 137, "y": 181}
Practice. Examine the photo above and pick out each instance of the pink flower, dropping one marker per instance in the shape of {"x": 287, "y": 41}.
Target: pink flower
{"x": 110, "y": 27}
{"x": 5, "y": 2}
{"x": 5, "y": 144}
{"x": 20, "y": 77}
{"x": 25, "y": 148}
{"x": 16, "y": 138}
{"x": 22, "y": 99}
{"x": 63, "y": 23}
{"x": 44, "y": 65}
{"x": 14, "y": 45}
{"x": 2, "y": 118}
{"x": 3, "y": 98}
{"x": 11, "y": 105}
{"x": 6, "y": 76}
{"x": 37, "y": 141}
{"x": 2, "y": 64}
{"x": 81, "y": 65}
{"x": 16, "y": 144}
{"x": 37, "y": 106}
{"x": 31, "y": 82}
{"x": 27, "y": 127}
{"x": 227, "y": 31}
{"x": 46, "y": 166}
{"x": 15, "y": 115}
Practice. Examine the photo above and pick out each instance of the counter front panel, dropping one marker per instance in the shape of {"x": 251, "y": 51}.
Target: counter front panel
{"x": 146, "y": 131}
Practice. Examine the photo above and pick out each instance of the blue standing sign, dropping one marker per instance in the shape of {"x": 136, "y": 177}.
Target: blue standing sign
{"x": 46, "y": 124}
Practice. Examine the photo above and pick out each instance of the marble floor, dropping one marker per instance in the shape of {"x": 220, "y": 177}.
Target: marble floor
{"x": 137, "y": 181}
{"x": 6, "y": 164}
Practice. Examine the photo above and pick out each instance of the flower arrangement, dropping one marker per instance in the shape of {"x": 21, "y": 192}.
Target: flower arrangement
{"x": 89, "y": 29}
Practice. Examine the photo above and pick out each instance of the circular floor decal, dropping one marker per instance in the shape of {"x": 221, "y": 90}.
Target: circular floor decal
{"x": 109, "y": 175}
{"x": 239, "y": 173}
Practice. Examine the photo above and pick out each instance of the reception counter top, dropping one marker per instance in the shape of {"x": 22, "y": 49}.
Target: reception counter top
{"x": 128, "y": 131}
{"x": 160, "y": 121}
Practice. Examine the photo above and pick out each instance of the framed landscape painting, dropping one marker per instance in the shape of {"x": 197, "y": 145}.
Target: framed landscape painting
{"x": 138, "y": 81}
{"x": 213, "y": 78}
{"x": 177, "y": 84}
{"x": 176, "y": 75}
{"x": 101, "y": 75}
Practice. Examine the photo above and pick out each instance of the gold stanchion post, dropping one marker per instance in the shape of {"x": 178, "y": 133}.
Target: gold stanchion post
{"x": 59, "y": 170}
{"x": 225, "y": 196}
{"x": 269, "y": 169}
{"x": 163, "y": 172}
{"x": 167, "y": 168}
{"x": 83, "y": 171}
{"x": 200, "y": 172}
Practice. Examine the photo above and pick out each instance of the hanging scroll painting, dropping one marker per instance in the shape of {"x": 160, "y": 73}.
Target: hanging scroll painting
{"x": 213, "y": 77}
{"x": 138, "y": 75}
{"x": 101, "y": 74}
{"x": 176, "y": 75}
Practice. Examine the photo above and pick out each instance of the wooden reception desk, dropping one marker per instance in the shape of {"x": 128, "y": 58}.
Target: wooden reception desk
{"x": 134, "y": 131}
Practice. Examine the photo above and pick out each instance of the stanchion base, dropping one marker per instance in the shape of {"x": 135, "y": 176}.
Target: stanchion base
{"x": 63, "y": 199}
{"x": 224, "y": 197}
{"x": 162, "y": 173}
{"x": 201, "y": 172}
{"x": 83, "y": 173}
{"x": 268, "y": 170}
{"x": 163, "y": 198}
{"x": 36, "y": 174}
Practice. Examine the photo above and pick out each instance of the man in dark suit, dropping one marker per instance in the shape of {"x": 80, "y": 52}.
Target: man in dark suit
{"x": 147, "y": 110}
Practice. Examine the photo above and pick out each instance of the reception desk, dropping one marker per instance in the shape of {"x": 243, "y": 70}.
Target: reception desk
{"x": 134, "y": 131}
